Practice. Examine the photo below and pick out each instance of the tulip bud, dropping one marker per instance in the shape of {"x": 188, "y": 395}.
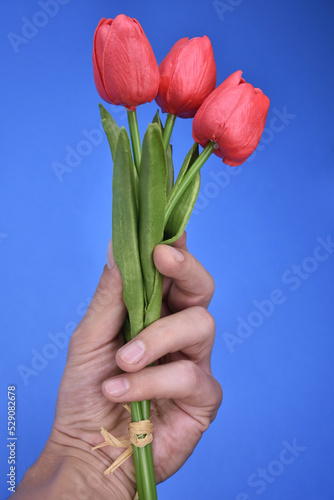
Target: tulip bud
{"x": 187, "y": 76}
{"x": 124, "y": 65}
{"x": 233, "y": 116}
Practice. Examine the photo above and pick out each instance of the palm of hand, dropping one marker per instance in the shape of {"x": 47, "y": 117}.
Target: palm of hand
{"x": 82, "y": 408}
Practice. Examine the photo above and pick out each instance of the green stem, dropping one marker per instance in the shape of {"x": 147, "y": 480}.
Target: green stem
{"x": 135, "y": 138}
{"x": 168, "y": 129}
{"x": 136, "y": 417}
{"x": 146, "y": 406}
{"x": 145, "y": 466}
{"x": 151, "y": 475}
{"x": 143, "y": 459}
{"x": 195, "y": 167}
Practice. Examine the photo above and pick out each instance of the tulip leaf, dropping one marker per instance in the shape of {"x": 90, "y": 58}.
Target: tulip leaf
{"x": 152, "y": 202}
{"x": 192, "y": 155}
{"x": 156, "y": 119}
{"x": 126, "y": 329}
{"x": 111, "y": 129}
{"x": 125, "y": 232}
{"x": 178, "y": 219}
{"x": 153, "y": 309}
{"x": 170, "y": 168}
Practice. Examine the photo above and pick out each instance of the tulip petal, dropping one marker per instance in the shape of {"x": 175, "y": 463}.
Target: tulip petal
{"x": 187, "y": 76}
{"x": 245, "y": 126}
{"x": 130, "y": 70}
{"x": 232, "y": 163}
{"x": 233, "y": 116}
{"x": 232, "y": 81}
{"x": 186, "y": 91}
{"x": 124, "y": 66}
{"x": 98, "y": 48}
{"x": 210, "y": 120}
{"x": 166, "y": 69}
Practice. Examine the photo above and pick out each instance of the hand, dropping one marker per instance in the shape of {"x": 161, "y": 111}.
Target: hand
{"x": 101, "y": 374}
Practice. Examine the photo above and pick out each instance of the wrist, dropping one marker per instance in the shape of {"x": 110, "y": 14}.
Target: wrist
{"x": 65, "y": 473}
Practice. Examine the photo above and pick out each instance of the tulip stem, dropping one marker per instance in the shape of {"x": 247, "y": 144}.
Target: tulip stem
{"x": 136, "y": 417}
{"x": 143, "y": 459}
{"x": 168, "y": 129}
{"x": 188, "y": 177}
{"x": 135, "y": 138}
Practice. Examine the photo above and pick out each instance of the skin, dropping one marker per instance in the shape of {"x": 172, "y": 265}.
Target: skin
{"x": 185, "y": 395}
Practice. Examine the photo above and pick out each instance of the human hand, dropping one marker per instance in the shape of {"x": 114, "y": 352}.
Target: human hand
{"x": 101, "y": 375}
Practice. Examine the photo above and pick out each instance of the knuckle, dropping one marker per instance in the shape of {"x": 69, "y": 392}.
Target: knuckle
{"x": 211, "y": 284}
{"x": 204, "y": 319}
{"x": 194, "y": 266}
{"x": 107, "y": 290}
{"x": 192, "y": 373}
{"x": 219, "y": 393}
{"x": 218, "y": 399}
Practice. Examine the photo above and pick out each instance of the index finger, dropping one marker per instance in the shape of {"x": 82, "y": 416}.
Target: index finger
{"x": 192, "y": 284}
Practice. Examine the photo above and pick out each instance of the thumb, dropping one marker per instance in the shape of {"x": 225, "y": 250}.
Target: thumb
{"x": 106, "y": 312}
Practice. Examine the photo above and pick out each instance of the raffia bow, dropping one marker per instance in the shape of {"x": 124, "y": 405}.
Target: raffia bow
{"x": 139, "y": 434}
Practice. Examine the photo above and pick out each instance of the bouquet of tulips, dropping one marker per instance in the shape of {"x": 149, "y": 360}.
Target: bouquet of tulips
{"x": 148, "y": 206}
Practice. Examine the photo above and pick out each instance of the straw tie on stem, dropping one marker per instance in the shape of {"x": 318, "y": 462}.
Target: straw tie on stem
{"x": 139, "y": 434}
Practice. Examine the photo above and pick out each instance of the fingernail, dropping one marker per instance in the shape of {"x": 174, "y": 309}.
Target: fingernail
{"x": 132, "y": 352}
{"x": 110, "y": 256}
{"x": 176, "y": 254}
{"x": 117, "y": 386}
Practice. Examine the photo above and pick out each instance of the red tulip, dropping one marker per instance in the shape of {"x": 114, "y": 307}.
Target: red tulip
{"x": 233, "y": 116}
{"x": 187, "y": 76}
{"x": 124, "y": 65}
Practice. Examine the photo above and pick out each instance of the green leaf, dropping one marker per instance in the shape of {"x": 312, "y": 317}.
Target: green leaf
{"x": 111, "y": 129}
{"x": 156, "y": 119}
{"x": 152, "y": 202}
{"x": 153, "y": 310}
{"x": 178, "y": 219}
{"x": 192, "y": 155}
{"x": 170, "y": 168}
{"x": 125, "y": 232}
{"x": 126, "y": 329}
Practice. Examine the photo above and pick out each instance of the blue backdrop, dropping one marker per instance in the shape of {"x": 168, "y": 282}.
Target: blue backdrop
{"x": 264, "y": 230}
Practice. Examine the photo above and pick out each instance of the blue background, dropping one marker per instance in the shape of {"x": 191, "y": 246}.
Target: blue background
{"x": 252, "y": 227}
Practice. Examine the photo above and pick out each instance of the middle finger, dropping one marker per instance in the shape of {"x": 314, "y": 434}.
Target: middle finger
{"x": 190, "y": 332}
